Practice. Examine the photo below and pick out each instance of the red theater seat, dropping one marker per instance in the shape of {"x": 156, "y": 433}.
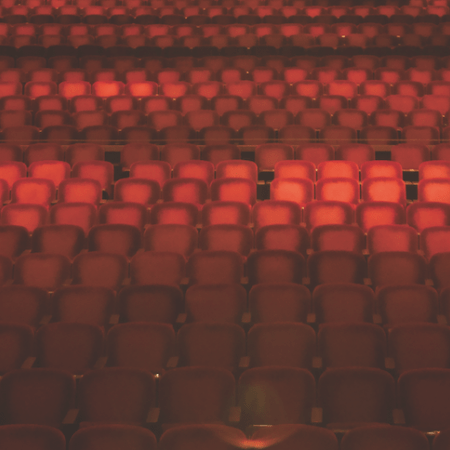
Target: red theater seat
{"x": 100, "y": 269}
{"x": 138, "y": 190}
{"x": 386, "y": 436}
{"x": 223, "y": 303}
{"x": 292, "y": 302}
{"x": 327, "y": 213}
{"x": 116, "y": 395}
{"x": 211, "y": 345}
{"x": 202, "y": 436}
{"x": 339, "y": 394}
{"x": 116, "y": 238}
{"x": 194, "y": 402}
{"x": 423, "y": 396}
{"x": 73, "y": 347}
{"x": 394, "y": 267}
{"x": 298, "y": 190}
{"x": 157, "y": 268}
{"x": 60, "y": 392}
{"x": 63, "y": 239}
{"x": 281, "y": 344}
{"x": 293, "y": 398}
{"x": 146, "y": 346}
{"x": 150, "y": 303}
{"x": 352, "y": 345}
{"x": 112, "y": 435}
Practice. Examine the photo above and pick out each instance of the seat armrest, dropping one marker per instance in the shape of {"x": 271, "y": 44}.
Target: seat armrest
{"x": 306, "y": 281}
{"x": 29, "y": 362}
{"x": 45, "y": 320}
{"x": 234, "y": 415}
{"x": 317, "y": 362}
{"x": 114, "y": 319}
{"x": 152, "y": 415}
{"x": 244, "y": 362}
{"x": 101, "y": 362}
{"x": 398, "y": 417}
{"x": 367, "y": 282}
{"x": 311, "y": 318}
{"x": 246, "y": 318}
{"x": 316, "y": 415}
{"x": 181, "y": 319}
{"x": 184, "y": 281}
{"x": 172, "y": 362}
{"x": 377, "y": 319}
{"x": 389, "y": 363}
{"x": 429, "y": 282}
{"x": 68, "y": 282}
{"x": 442, "y": 320}
{"x": 244, "y": 281}
{"x": 71, "y": 417}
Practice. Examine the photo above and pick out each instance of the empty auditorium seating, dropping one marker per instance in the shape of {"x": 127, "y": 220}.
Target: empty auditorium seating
{"x": 216, "y": 181}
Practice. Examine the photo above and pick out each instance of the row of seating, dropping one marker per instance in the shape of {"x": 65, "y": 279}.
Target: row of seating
{"x": 244, "y": 89}
{"x": 226, "y": 159}
{"x": 195, "y": 112}
{"x": 419, "y": 215}
{"x": 233, "y": 121}
{"x": 134, "y": 194}
{"x": 136, "y": 11}
{"x": 142, "y": 83}
{"x": 224, "y": 303}
{"x": 98, "y": 268}
{"x": 370, "y": 30}
{"x": 381, "y": 137}
{"x": 122, "y": 395}
{"x": 185, "y": 240}
{"x": 424, "y": 29}
{"x": 111, "y": 92}
{"x": 204, "y": 437}
{"x": 154, "y": 347}
{"x": 207, "y": 13}
{"x": 351, "y": 44}
{"x": 127, "y": 64}
{"x": 166, "y": 49}
{"x": 390, "y": 305}
{"x": 184, "y": 3}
